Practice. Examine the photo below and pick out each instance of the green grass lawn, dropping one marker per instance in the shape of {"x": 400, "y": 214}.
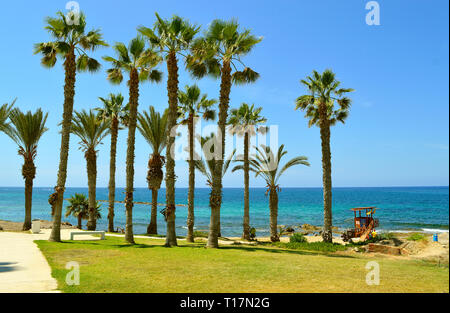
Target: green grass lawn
{"x": 114, "y": 266}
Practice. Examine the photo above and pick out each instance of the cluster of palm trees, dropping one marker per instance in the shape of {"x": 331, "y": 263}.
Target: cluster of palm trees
{"x": 217, "y": 53}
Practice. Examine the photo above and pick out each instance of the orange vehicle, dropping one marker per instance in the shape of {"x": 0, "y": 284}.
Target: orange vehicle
{"x": 364, "y": 224}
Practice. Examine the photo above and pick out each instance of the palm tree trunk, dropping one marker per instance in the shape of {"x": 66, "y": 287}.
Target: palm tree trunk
{"x": 215, "y": 199}
{"x": 134, "y": 96}
{"x": 273, "y": 203}
{"x": 69, "y": 92}
{"x": 246, "y": 224}
{"x": 327, "y": 233}
{"x": 28, "y": 172}
{"x": 79, "y": 222}
{"x": 112, "y": 173}
{"x": 172, "y": 89}
{"x": 152, "y": 228}
{"x": 91, "y": 162}
{"x": 190, "y": 218}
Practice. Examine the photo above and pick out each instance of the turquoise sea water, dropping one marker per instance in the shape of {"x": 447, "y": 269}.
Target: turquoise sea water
{"x": 400, "y": 208}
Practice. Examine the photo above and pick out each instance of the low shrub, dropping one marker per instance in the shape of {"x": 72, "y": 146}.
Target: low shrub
{"x": 200, "y": 234}
{"x": 297, "y": 238}
{"x": 416, "y": 237}
{"x": 312, "y": 246}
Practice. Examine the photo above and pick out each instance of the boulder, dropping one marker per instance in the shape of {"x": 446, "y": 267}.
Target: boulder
{"x": 308, "y": 227}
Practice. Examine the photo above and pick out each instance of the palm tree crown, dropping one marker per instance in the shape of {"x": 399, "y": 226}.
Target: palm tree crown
{"x": 90, "y": 129}
{"x": 27, "y": 129}
{"x": 267, "y": 165}
{"x": 70, "y": 37}
{"x": 79, "y": 207}
{"x": 153, "y": 127}
{"x": 207, "y": 168}
{"x": 192, "y": 103}
{"x": 245, "y": 119}
{"x": 324, "y": 89}
{"x": 223, "y": 42}
{"x": 113, "y": 108}
{"x": 174, "y": 35}
{"x": 135, "y": 56}
{"x": 5, "y": 110}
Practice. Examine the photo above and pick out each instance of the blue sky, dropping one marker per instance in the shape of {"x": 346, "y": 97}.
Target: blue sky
{"x": 396, "y": 135}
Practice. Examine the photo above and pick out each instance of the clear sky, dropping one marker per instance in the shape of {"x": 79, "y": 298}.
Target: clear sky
{"x": 396, "y": 135}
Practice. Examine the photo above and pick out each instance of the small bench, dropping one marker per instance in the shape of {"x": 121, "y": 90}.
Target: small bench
{"x": 101, "y": 233}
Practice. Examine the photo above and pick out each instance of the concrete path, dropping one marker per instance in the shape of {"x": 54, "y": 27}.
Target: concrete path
{"x": 23, "y": 267}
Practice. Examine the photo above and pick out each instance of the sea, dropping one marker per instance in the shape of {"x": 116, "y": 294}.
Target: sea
{"x": 400, "y": 209}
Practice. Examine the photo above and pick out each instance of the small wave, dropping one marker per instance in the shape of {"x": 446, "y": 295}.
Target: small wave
{"x": 431, "y": 230}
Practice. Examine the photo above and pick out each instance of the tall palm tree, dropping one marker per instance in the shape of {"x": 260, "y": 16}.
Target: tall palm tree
{"x": 79, "y": 208}
{"x": 91, "y": 130}
{"x": 191, "y": 105}
{"x": 207, "y": 168}
{"x": 319, "y": 107}
{"x": 220, "y": 50}
{"x": 116, "y": 114}
{"x": 71, "y": 44}
{"x": 153, "y": 127}
{"x": 267, "y": 165}
{"x": 244, "y": 122}
{"x": 26, "y": 130}
{"x": 5, "y": 110}
{"x": 173, "y": 37}
{"x": 140, "y": 62}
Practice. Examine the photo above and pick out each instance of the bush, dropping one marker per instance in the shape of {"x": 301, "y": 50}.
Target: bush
{"x": 312, "y": 246}
{"x": 200, "y": 234}
{"x": 297, "y": 238}
{"x": 416, "y": 237}
{"x": 252, "y": 233}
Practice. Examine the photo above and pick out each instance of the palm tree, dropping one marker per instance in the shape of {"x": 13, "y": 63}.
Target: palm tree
{"x": 26, "y": 130}
{"x": 215, "y": 54}
{"x": 172, "y": 37}
{"x": 91, "y": 130}
{"x": 207, "y": 168}
{"x": 153, "y": 127}
{"x": 244, "y": 122}
{"x": 5, "y": 109}
{"x": 71, "y": 43}
{"x": 192, "y": 104}
{"x": 140, "y": 62}
{"x": 79, "y": 208}
{"x": 114, "y": 112}
{"x": 267, "y": 165}
{"x": 320, "y": 110}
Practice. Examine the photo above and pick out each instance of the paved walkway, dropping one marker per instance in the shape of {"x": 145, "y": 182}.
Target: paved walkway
{"x": 23, "y": 267}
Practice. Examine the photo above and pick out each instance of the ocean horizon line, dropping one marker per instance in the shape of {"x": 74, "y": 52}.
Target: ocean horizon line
{"x": 299, "y": 187}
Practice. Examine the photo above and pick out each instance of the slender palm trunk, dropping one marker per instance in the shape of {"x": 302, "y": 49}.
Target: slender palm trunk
{"x": 190, "y": 218}
{"x": 172, "y": 89}
{"x": 28, "y": 173}
{"x": 79, "y": 219}
{"x": 327, "y": 233}
{"x": 273, "y": 204}
{"x": 215, "y": 199}
{"x": 56, "y": 200}
{"x": 112, "y": 173}
{"x": 153, "y": 226}
{"x": 91, "y": 162}
{"x": 134, "y": 96}
{"x": 246, "y": 224}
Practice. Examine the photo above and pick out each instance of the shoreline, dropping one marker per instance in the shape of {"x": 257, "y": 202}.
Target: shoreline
{"x": 310, "y": 230}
